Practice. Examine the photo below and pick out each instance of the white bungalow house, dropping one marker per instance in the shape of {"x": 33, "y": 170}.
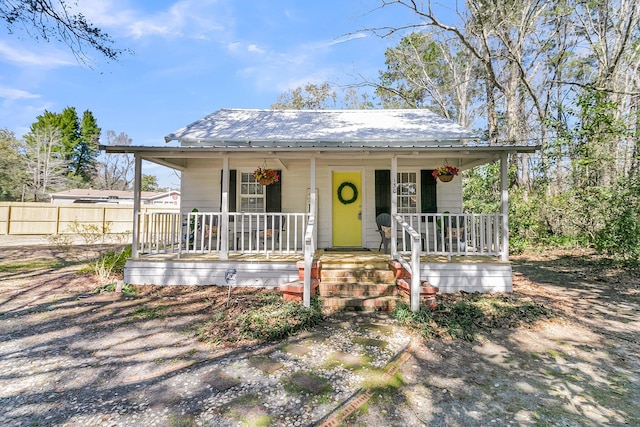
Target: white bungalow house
{"x": 338, "y": 171}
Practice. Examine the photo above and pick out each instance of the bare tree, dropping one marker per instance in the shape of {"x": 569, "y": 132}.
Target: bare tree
{"x": 56, "y": 20}
{"x": 115, "y": 171}
{"x": 47, "y": 171}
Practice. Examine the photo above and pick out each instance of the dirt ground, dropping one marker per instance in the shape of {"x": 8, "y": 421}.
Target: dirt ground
{"x": 581, "y": 368}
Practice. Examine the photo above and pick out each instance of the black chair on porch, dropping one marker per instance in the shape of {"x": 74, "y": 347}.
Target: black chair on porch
{"x": 383, "y": 221}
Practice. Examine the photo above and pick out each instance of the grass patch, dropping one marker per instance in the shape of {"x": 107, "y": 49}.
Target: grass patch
{"x": 277, "y": 318}
{"x": 381, "y": 383}
{"x": 175, "y": 420}
{"x": 266, "y": 317}
{"x": 146, "y": 313}
{"x": 17, "y": 267}
{"x": 110, "y": 263}
{"x": 128, "y": 290}
{"x": 464, "y": 316}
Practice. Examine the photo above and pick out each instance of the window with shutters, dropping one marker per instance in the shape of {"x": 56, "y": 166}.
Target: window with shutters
{"x": 252, "y": 194}
{"x": 407, "y": 192}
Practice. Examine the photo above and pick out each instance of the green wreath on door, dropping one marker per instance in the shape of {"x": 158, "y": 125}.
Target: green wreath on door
{"x": 353, "y": 188}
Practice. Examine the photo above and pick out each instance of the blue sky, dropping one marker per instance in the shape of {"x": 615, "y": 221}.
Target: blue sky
{"x": 192, "y": 57}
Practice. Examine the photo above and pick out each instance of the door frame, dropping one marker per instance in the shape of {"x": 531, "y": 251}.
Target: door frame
{"x": 363, "y": 189}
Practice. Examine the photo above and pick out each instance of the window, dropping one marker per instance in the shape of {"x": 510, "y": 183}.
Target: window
{"x": 407, "y": 194}
{"x": 252, "y": 197}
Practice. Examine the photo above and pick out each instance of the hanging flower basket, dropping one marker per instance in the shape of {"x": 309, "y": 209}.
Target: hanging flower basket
{"x": 266, "y": 176}
{"x": 446, "y": 173}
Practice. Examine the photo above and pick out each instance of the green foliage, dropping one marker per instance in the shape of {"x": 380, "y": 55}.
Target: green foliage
{"x": 464, "y": 316}
{"x": 12, "y": 167}
{"x": 150, "y": 183}
{"x": 111, "y": 263}
{"x": 598, "y": 131}
{"x": 79, "y": 140}
{"x": 481, "y": 189}
{"x": 267, "y": 317}
{"x": 415, "y": 57}
{"x": 277, "y": 318}
{"x": 127, "y": 289}
{"x": 620, "y": 235}
{"x": 85, "y": 151}
{"x": 147, "y": 312}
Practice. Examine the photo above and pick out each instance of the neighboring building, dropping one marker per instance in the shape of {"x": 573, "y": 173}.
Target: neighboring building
{"x": 82, "y": 195}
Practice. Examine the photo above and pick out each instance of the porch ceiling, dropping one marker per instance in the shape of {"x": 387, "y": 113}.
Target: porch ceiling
{"x": 176, "y": 157}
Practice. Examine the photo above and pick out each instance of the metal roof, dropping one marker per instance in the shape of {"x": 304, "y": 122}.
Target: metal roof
{"x": 322, "y": 128}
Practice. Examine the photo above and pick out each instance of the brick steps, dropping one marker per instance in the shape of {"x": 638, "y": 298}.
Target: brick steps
{"x": 358, "y": 275}
{"x": 357, "y": 289}
{"x": 357, "y": 286}
{"x": 345, "y": 303}
{"x": 427, "y": 293}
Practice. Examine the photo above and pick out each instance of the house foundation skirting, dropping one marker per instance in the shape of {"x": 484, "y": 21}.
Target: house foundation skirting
{"x": 449, "y": 277}
{"x": 481, "y": 277}
{"x": 166, "y": 273}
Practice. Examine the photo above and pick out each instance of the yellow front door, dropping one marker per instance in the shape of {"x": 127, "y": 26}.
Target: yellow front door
{"x": 347, "y": 209}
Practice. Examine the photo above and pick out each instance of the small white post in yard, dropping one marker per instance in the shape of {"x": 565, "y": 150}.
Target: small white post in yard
{"x": 230, "y": 278}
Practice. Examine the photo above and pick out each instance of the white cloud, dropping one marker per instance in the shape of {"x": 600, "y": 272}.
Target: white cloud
{"x": 185, "y": 18}
{"x": 12, "y": 94}
{"x": 52, "y": 58}
{"x": 255, "y": 49}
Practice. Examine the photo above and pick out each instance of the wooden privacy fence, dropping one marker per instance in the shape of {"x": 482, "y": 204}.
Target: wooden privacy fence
{"x": 46, "y": 218}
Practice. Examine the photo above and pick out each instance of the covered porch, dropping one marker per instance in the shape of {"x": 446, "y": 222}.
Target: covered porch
{"x": 386, "y": 157}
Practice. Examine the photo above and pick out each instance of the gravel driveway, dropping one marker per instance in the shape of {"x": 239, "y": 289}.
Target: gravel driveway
{"x": 72, "y": 357}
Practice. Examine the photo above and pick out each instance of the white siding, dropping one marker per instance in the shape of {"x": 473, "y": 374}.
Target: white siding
{"x": 200, "y": 185}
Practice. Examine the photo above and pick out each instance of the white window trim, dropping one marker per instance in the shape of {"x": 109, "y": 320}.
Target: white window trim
{"x": 242, "y": 196}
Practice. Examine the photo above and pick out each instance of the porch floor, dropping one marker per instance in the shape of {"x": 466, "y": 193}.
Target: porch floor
{"x": 360, "y": 257}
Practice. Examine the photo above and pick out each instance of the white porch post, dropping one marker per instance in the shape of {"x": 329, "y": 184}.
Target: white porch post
{"x": 308, "y": 257}
{"x": 137, "y": 182}
{"x": 224, "y": 226}
{"x": 394, "y": 207}
{"x": 504, "y": 188}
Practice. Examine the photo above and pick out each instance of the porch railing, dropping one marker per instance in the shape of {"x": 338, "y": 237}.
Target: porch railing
{"x": 414, "y": 267}
{"x": 454, "y": 234}
{"x": 200, "y": 232}
{"x": 284, "y": 233}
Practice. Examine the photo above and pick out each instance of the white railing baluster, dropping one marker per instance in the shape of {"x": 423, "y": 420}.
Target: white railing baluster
{"x": 454, "y": 234}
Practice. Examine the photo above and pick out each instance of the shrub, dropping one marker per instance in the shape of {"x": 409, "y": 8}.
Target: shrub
{"x": 110, "y": 263}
